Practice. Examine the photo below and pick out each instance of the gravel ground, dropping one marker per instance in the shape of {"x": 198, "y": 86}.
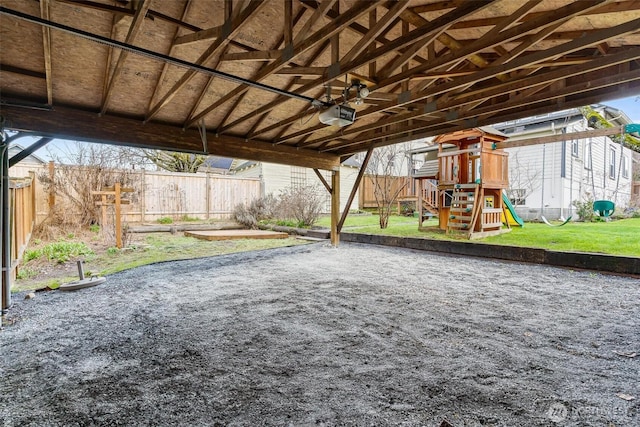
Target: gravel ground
{"x": 313, "y": 335}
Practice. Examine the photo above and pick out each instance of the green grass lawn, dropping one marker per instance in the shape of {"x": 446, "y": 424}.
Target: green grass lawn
{"x": 620, "y": 237}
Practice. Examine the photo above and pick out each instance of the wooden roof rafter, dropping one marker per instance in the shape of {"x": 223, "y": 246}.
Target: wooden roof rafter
{"x": 141, "y": 9}
{"x": 232, "y": 26}
{"x": 422, "y": 34}
{"x": 431, "y": 66}
{"x": 46, "y": 42}
{"x": 486, "y": 116}
{"x": 303, "y": 45}
{"x": 486, "y": 74}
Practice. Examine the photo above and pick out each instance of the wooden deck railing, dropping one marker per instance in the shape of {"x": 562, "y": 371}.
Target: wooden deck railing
{"x": 430, "y": 194}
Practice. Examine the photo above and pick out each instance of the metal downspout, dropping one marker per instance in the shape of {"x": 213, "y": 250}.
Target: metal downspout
{"x": 6, "y": 231}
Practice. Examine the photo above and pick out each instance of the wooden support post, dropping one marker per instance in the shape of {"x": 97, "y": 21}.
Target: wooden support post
{"x": 419, "y": 202}
{"x": 356, "y": 184}
{"x": 335, "y": 207}
{"x": 143, "y": 195}
{"x": 208, "y": 195}
{"x": 103, "y": 209}
{"x": 118, "y": 219}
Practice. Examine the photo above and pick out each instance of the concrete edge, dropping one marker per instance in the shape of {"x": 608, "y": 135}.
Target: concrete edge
{"x": 578, "y": 260}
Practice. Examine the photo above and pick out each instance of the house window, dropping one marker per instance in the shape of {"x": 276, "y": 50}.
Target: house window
{"x": 518, "y": 197}
{"x": 612, "y": 163}
{"x": 625, "y": 166}
{"x": 587, "y": 156}
{"x": 574, "y": 147}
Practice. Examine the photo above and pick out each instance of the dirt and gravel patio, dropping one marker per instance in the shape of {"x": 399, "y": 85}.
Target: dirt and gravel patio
{"x": 313, "y": 335}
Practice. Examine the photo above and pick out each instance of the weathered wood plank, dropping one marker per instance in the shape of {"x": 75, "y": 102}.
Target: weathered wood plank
{"x": 67, "y": 123}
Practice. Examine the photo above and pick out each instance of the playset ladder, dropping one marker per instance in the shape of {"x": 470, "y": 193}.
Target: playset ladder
{"x": 463, "y": 211}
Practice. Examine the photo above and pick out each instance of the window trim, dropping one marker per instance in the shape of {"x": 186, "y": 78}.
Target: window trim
{"x": 612, "y": 162}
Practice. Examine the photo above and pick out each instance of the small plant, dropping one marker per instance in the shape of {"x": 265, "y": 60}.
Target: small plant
{"x": 60, "y": 251}
{"x": 187, "y": 218}
{"x": 165, "y": 220}
{"x": 26, "y": 273}
{"x": 584, "y": 209}
{"x": 112, "y": 250}
{"x": 287, "y": 223}
{"x": 301, "y": 204}
{"x": 258, "y": 210}
{"x": 94, "y": 228}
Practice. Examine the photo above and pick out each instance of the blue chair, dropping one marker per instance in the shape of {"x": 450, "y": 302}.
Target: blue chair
{"x": 604, "y": 208}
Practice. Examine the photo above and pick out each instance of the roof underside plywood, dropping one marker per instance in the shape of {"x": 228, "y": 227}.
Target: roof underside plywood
{"x": 431, "y": 67}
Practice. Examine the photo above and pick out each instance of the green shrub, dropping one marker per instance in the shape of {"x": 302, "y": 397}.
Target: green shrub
{"x": 112, "y": 250}
{"x": 94, "y": 228}
{"x": 584, "y": 209}
{"x": 187, "y": 218}
{"x": 165, "y": 220}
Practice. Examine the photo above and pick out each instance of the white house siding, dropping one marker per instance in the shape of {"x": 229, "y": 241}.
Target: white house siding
{"x": 558, "y": 180}
{"x": 276, "y": 177}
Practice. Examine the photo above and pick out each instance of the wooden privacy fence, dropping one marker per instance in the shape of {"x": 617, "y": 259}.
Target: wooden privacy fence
{"x": 367, "y": 185}
{"x": 21, "y": 217}
{"x": 163, "y": 194}
{"x": 196, "y": 195}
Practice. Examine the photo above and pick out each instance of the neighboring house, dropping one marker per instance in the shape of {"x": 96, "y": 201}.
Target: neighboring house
{"x": 31, "y": 159}
{"x": 546, "y": 179}
{"x": 217, "y": 164}
{"x": 276, "y": 177}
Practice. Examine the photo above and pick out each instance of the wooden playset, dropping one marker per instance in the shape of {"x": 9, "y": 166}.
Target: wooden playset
{"x": 462, "y": 182}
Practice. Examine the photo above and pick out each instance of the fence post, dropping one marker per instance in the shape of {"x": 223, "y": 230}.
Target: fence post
{"x": 208, "y": 197}
{"x": 52, "y": 187}
{"x": 34, "y": 219}
{"x": 143, "y": 195}
{"x": 118, "y": 219}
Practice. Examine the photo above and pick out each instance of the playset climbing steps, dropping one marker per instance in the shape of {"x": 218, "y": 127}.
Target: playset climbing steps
{"x": 463, "y": 208}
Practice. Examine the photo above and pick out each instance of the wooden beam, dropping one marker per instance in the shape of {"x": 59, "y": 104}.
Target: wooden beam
{"x": 356, "y": 184}
{"x": 46, "y": 42}
{"x": 376, "y": 30}
{"x": 165, "y": 66}
{"x": 367, "y": 57}
{"x": 136, "y": 25}
{"x": 6, "y": 68}
{"x": 74, "y": 124}
{"x": 206, "y": 34}
{"x": 323, "y": 181}
{"x": 617, "y": 130}
{"x": 126, "y": 11}
{"x": 288, "y": 22}
{"x": 313, "y": 20}
{"x": 256, "y": 55}
{"x": 326, "y": 32}
{"x": 488, "y": 116}
{"x": 483, "y": 43}
{"x": 234, "y": 27}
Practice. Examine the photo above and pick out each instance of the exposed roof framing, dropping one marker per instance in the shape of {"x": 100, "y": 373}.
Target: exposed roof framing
{"x": 431, "y": 66}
